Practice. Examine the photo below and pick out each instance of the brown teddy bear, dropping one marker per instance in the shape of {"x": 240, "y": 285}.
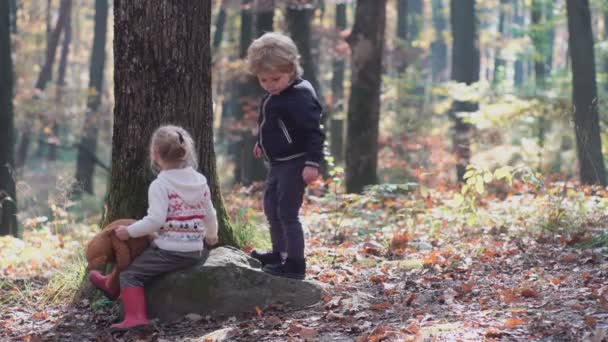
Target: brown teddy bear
{"x": 104, "y": 248}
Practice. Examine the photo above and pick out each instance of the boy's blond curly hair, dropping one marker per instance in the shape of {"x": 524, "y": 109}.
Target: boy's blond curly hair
{"x": 274, "y": 52}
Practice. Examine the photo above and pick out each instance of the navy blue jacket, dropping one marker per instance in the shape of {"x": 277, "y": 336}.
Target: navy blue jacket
{"x": 290, "y": 125}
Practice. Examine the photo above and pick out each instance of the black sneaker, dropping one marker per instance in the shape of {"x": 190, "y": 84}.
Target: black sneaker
{"x": 292, "y": 268}
{"x": 268, "y": 258}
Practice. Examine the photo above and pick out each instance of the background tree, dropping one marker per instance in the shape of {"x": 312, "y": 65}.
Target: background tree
{"x": 439, "y": 49}
{"x": 465, "y": 69}
{"x": 161, "y": 77}
{"x": 337, "y": 90}
{"x": 8, "y": 219}
{"x": 87, "y": 147}
{"x": 367, "y": 45}
{"x": 584, "y": 94}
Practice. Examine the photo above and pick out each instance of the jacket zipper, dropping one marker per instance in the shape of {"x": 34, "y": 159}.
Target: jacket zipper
{"x": 285, "y": 131}
{"x": 262, "y": 125}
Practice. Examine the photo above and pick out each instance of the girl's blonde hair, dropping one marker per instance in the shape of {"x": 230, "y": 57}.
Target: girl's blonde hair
{"x": 173, "y": 144}
{"x": 274, "y": 52}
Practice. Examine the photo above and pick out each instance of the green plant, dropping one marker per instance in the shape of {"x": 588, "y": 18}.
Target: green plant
{"x": 247, "y": 231}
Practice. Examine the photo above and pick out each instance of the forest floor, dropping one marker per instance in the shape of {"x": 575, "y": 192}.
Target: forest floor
{"x": 526, "y": 264}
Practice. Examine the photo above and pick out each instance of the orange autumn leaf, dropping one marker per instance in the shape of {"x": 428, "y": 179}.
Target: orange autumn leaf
{"x": 590, "y": 321}
{"x": 399, "y": 240}
{"x": 377, "y": 279}
{"x": 568, "y": 258}
{"x": 258, "y": 311}
{"x": 382, "y": 306}
{"x": 527, "y": 292}
{"x": 513, "y": 323}
{"x": 412, "y": 328}
{"x": 493, "y": 333}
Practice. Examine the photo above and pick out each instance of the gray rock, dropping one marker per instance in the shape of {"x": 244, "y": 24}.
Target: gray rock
{"x": 228, "y": 283}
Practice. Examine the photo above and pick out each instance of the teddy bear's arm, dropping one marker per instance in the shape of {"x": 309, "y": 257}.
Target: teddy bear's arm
{"x": 121, "y": 252}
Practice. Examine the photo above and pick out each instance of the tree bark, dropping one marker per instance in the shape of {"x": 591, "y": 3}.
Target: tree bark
{"x": 465, "y": 69}
{"x": 220, "y": 23}
{"x": 337, "y": 89}
{"x": 13, "y": 15}
{"x": 539, "y": 40}
{"x": 518, "y": 20}
{"x": 46, "y": 72}
{"x": 367, "y": 45}
{"x": 584, "y": 93}
{"x": 8, "y": 219}
{"x": 499, "y": 61}
{"x": 161, "y": 77}
{"x": 65, "y": 50}
{"x": 85, "y": 162}
{"x": 439, "y": 49}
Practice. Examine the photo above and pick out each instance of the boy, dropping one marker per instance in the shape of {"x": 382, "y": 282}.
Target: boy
{"x": 291, "y": 140}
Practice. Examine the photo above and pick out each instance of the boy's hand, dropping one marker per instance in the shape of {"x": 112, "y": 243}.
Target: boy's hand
{"x": 257, "y": 151}
{"x": 211, "y": 241}
{"x": 122, "y": 233}
{"x": 310, "y": 174}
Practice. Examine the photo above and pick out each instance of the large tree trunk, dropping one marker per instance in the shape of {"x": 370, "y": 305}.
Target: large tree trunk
{"x": 264, "y": 16}
{"x": 337, "y": 89}
{"x": 586, "y": 125}
{"x": 87, "y": 148}
{"x": 161, "y": 77}
{"x": 465, "y": 69}
{"x": 8, "y": 218}
{"x": 439, "y": 49}
{"x": 367, "y": 45}
{"x": 46, "y": 72}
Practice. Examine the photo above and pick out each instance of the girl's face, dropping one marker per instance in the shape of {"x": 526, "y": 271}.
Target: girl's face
{"x": 274, "y": 82}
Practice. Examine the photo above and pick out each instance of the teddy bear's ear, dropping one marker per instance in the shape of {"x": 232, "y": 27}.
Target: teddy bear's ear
{"x": 121, "y": 252}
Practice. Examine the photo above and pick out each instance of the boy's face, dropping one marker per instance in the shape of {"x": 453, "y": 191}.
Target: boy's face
{"x": 274, "y": 82}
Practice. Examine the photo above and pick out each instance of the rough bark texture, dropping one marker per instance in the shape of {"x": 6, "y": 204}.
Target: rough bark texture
{"x": 85, "y": 163}
{"x": 367, "y": 45}
{"x": 465, "y": 69}
{"x": 8, "y": 220}
{"x": 162, "y": 75}
{"x": 586, "y": 125}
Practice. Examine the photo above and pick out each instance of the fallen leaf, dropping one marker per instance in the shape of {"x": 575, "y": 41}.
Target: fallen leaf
{"x": 569, "y": 258}
{"x": 590, "y": 321}
{"x": 527, "y": 292}
{"x": 494, "y": 333}
{"x": 513, "y": 323}
{"x": 308, "y": 333}
{"x": 382, "y": 306}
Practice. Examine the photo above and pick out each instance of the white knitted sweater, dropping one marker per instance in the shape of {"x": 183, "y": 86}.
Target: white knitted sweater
{"x": 180, "y": 211}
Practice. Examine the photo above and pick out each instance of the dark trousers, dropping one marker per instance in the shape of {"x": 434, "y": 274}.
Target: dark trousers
{"x": 154, "y": 262}
{"x": 282, "y": 201}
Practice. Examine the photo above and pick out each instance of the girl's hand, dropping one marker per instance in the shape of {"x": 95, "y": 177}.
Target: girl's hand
{"x": 122, "y": 233}
{"x": 257, "y": 151}
{"x": 310, "y": 174}
{"x": 211, "y": 241}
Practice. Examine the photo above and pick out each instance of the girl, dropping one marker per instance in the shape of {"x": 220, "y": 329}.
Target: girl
{"x": 180, "y": 211}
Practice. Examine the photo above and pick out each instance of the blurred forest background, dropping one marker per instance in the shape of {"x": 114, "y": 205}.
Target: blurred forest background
{"x": 508, "y": 101}
{"x": 454, "y": 105}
